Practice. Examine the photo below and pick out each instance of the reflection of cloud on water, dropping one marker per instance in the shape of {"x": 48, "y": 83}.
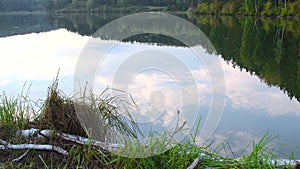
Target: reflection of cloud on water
{"x": 243, "y": 92}
{"x": 39, "y": 56}
{"x": 237, "y": 140}
{"x": 247, "y": 92}
{"x": 162, "y": 111}
{"x": 4, "y": 82}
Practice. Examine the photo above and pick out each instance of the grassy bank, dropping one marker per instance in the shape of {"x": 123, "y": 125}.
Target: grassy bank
{"x": 57, "y": 115}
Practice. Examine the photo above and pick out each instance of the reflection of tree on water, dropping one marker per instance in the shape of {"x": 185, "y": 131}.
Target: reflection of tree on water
{"x": 24, "y": 24}
{"x": 268, "y": 49}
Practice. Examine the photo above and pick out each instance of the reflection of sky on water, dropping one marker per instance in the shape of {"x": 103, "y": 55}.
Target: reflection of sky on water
{"x": 252, "y": 108}
{"x": 36, "y": 59}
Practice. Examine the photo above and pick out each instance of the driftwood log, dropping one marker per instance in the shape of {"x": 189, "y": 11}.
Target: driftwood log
{"x": 38, "y": 134}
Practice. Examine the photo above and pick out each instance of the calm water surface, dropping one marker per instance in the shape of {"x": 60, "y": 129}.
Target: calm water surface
{"x": 260, "y": 59}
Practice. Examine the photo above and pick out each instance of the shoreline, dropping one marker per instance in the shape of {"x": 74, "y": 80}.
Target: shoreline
{"x": 195, "y": 14}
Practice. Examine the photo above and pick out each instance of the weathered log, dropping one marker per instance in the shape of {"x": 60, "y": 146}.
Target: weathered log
{"x": 7, "y": 146}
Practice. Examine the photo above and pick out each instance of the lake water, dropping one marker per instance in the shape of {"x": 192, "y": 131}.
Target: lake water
{"x": 260, "y": 59}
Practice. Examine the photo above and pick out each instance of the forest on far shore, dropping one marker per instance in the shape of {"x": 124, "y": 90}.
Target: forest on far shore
{"x": 224, "y": 7}
{"x": 250, "y": 7}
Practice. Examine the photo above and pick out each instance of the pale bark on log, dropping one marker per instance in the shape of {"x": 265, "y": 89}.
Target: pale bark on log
{"x": 36, "y": 133}
{"x": 8, "y": 146}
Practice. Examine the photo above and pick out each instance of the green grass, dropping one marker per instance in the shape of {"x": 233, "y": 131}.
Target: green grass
{"x": 182, "y": 155}
{"x": 14, "y": 113}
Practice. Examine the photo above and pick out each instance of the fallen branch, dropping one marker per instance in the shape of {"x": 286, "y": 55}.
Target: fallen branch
{"x": 36, "y": 133}
{"x": 8, "y": 146}
{"x": 86, "y": 141}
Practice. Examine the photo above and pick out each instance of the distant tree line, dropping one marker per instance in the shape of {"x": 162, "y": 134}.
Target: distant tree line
{"x": 93, "y": 4}
{"x": 33, "y": 5}
{"x": 249, "y": 7}
{"x": 227, "y": 7}
{"x": 22, "y": 5}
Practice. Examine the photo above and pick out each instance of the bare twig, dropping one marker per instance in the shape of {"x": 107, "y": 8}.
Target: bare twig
{"x": 195, "y": 163}
{"x": 21, "y": 157}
